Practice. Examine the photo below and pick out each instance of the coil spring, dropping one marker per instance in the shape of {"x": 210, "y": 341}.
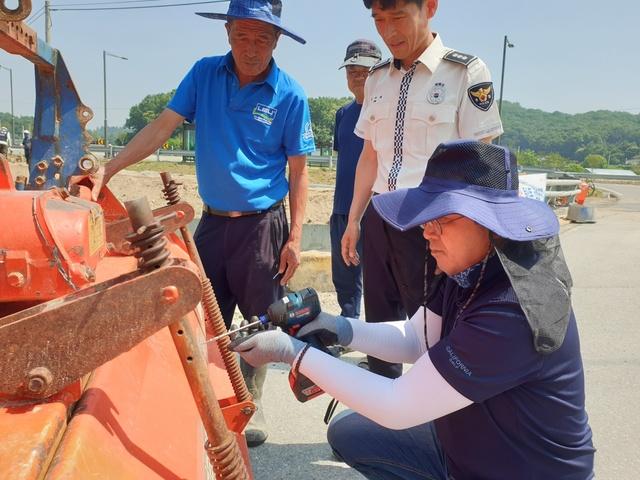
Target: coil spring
{"x": 228, "y": 357}
{"x": 226, "y": 460}
{"x": 170, "y": 192}
{"x": 149, "y": 245}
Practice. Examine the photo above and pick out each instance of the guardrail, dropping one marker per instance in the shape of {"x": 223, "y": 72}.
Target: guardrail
{"x": 583, "y": 175}
{"x": 561, "y": 188}
{"x": 557, "y": 188}
{"x": 189, "y": 155}
{"x": 111, "y": 150}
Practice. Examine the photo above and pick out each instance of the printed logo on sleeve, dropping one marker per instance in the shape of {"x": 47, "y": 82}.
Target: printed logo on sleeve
{"x": 482, "y": 95}
{"x": 456, "y": 362}
{"x": 307, "y": 135}
{"x": 264, "y": 114}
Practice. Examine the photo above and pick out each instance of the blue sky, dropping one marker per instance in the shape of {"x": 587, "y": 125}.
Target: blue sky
{"x": 570, "y": 55}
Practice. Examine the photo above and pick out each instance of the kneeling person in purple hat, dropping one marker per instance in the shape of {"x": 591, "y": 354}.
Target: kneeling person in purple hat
{"x": 252, "y": 121}
{"x": 496, "y": 384}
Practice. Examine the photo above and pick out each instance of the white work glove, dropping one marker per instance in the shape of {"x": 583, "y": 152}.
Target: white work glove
{"x": 266, "y": 347}
{"x": 330, "y": 329}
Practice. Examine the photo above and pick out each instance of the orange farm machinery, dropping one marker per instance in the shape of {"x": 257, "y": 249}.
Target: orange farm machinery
{"x": 104, "y": 314}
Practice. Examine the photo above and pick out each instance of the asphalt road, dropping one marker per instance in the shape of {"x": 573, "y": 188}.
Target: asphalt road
{"x": 604, "y": 259}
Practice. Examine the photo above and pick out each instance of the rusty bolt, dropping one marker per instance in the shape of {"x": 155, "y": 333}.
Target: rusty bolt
{"x": 88, "y": 164}
{"x": 247, "y": 410}
{"x": 170, "y": 294}
{"x": 89, "y": 274}
{"x": 39, "y": 380}
{"x": 42, "y": 166}
{"x": 16, "y": 279}
{"x": 40, "y": 180}
{"x": 57, "y": 161}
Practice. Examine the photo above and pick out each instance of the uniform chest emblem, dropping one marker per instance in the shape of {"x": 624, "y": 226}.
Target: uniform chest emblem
{"x": 482, "y": 95}
{"x": 264, "y": 114}
{"x": 437, "y": 94}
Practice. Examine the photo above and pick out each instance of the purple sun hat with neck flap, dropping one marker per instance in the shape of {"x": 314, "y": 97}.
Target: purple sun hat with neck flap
{"x": 268, "y": 11}
{"x": 476, "y": 180}
{"x": 480, "y": 182}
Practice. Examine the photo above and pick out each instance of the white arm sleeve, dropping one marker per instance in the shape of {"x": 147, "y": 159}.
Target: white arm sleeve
{"x": 417, "y": 397}
{"x": 396, "y": 342}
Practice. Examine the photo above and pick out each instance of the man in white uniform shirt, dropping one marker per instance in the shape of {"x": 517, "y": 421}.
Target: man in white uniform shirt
{"x": 425, "y": 95}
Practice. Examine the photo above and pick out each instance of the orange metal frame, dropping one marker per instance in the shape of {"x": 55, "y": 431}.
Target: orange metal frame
{"x": 132, "y": 418}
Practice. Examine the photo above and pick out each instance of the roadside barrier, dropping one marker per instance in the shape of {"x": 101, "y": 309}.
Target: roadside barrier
{"x": 562, "y": 192}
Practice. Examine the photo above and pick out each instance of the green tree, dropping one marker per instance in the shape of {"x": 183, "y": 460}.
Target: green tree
{"x": 554, "y": 161}
{"x": 146, "y": 111}
{"x": 614, "y": 135}
{"x": 323, "y": 115}
{"x": 574, "y": 167}
{"x": 595, "y": 161}
{"x": 20, "y": 124}
{"x": 528, "y": 158}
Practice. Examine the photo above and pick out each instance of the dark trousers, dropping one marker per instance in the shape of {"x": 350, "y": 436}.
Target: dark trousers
{"x": 347, "y": 280}
{"x": 241, "y": 256}
{"x": 380, "y": 453}
{"x": 393, "y": 277}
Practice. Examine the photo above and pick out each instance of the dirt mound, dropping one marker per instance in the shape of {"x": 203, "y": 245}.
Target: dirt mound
{"x": 129, "y": 185}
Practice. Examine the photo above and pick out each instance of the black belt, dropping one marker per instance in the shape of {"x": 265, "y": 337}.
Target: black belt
{"x": 235, "y": 214}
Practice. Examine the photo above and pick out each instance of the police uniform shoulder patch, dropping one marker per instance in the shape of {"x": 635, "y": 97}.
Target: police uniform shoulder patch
{"x": 459, "y": 57}
{"x": 482, "y": 95}
{"x": 379, "y": 65}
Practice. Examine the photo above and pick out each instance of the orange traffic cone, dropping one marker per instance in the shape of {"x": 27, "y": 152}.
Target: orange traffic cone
{"x": 584, "y": 192}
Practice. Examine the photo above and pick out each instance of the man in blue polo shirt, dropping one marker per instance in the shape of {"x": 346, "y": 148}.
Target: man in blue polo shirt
{"x": 252, "y": 121}
{"x": 347, "y": 279}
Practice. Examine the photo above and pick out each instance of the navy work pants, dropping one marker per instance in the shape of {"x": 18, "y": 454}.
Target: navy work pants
{"x": 241, "y": 256}
{"x": 347, "y": 280}
{"x": 380, "y": 453}
{"x": 393, "y": 277}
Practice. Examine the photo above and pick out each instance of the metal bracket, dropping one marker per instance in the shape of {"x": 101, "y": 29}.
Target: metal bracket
{"x": 237, "y": 415}
{"x": 171, "y": 218}
{"x": 51, "y": 345}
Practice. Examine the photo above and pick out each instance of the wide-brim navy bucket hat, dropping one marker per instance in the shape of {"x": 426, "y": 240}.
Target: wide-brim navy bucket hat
{"x": 476, "y": 180}
{"x": 268, "y": 11}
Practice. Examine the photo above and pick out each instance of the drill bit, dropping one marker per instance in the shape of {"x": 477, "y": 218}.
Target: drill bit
{"x": 230, "y": 332}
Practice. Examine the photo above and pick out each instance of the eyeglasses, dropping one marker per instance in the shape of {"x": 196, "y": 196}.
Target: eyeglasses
{"x": 434, "y": 227}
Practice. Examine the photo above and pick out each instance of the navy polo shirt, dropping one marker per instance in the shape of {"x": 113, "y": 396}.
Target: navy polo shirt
{"x": 528, "y": 420}
{"x": 243, "y": 135}
{"x": 349, "y": 146}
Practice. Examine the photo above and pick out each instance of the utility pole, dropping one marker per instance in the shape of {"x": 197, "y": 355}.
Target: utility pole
{"x": 13, "y": 120}
{"x": 104, "y": 85}
{"x": 47, "y": 21}
{"x": 507, "y": 44}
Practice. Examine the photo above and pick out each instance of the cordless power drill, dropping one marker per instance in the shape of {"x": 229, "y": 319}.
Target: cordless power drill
{"x": 291, "y": 313}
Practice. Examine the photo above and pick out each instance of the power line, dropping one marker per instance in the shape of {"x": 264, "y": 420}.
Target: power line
{"x": 37, "y": 11}
{"x": 115, "y": 2}
{"x": 35, "y": 15}
{"x": 33, "y": 19}
{"x": 133, "y": 8}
